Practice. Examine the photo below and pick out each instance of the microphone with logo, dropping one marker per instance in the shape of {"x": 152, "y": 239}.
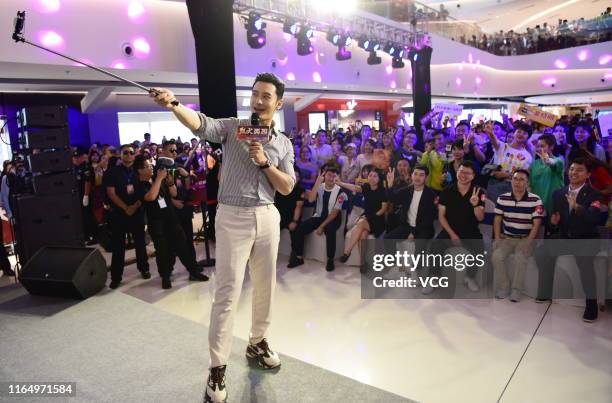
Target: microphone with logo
{"x": 254, "y": 132}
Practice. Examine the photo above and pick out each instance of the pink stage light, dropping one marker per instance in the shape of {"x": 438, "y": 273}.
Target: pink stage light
{"x": 316, "y": 77}
{"x": 142, "y": 46}
{"x": 393, "y": 84}
{"x": 135, "y": 10}
{"x": 604, "y": 59}
{"x": 470, "y": 58}
{"x": 49, "y": 6}
{"x": 549, "y": 81}
{"x": 583, "y": 55}
{"x": 118, "y": 65}
{"x": 560, "y": 64}
{"x": 290, "y": 77}
{"x": 389, "y": 69}
{"x": 478, "y": 80}
{"x": 458, "y": 81}
{"x": 51, "y": 39}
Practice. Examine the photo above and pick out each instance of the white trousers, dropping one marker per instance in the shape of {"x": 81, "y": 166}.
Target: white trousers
{"x": 244, "y": 234}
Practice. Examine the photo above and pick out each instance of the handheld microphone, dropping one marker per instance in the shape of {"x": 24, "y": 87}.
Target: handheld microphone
{"x": 255, "y": 119}
{"x": 19, "y": 24}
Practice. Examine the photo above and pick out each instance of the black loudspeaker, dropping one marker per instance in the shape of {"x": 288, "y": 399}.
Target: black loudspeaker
{"x": 50, "y": 161}
{"x": 47, "y": 138}
{"x": 47, "y": 220}
{"x": 214, "y": 19}
{"x": 55, "y": 183}
{"x": 43, "y": 116}
{"x": 65, "y": 272}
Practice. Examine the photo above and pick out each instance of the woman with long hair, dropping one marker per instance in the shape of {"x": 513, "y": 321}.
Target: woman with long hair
{"x": 373, "y": 219}
{"x": 583, "y": 138}
{"x": 308, "y": 169}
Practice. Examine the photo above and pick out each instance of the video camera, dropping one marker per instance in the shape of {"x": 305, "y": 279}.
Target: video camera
{"x": 168, "y": 164}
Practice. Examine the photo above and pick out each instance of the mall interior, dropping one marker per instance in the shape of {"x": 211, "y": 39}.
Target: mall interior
{"x": 150, "y": 146}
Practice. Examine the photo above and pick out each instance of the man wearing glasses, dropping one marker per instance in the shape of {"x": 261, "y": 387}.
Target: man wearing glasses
{"x": 125, "y": 215}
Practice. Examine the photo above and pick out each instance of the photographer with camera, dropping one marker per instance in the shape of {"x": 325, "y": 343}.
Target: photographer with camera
{"x": 162, "y": 221}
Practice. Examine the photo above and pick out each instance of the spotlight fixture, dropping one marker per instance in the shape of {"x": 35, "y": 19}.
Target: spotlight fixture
{"x": 397, "y": 63}
{"x": 291, "y": 26}
{"x": 374, "y": 59}
{"x": 343, "y": 54}
{"x": 365, "y": 43}
{"x": 333, "y": 35}
{"x": 392, "y": 49}
{"x": 256, "y": 35}
{"x": 304, "y": 47}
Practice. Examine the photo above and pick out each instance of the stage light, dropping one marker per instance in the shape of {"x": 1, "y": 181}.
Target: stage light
{"x": 397, "y": 63}
{"x": 256, "y": 35}
{"x": 333, "y": 35}
{"x": 365, "y": 43}
{"x": 391, "y": 49}
{"x": 374, "y": 59}
{"x": 304, "y": 47}
{"x": 291, "y": 27}
{"x": 343, "y": 54}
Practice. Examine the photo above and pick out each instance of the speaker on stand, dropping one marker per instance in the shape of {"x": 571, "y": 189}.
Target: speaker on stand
{"x": 49, "y": 214}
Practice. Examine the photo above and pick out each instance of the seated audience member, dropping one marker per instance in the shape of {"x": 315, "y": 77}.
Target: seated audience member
{"x": 509, "y": 157}
{"x": 326, "y": 219}
{"x": 518, "y": 216}
{"x": 546, "y": 171}
{"x": 403, "y": 179}
{"x": 418, "y": 208}
{"x": 574, "y": 217}
{"x": 373, "y": 219}
{"x": 290, "y": 206}
{"x": 460, "y": 210}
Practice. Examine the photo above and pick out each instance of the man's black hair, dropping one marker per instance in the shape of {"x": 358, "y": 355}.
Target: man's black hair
{"x": 130, "y": 145}
{"x": 272, "y": 79}
{"x": 421, "y": 168}
{"x": 521, "y": 171}
{"x": 168, "y": 143}
{"x": 469, "y": 164}
{"x": 582, "y": 161}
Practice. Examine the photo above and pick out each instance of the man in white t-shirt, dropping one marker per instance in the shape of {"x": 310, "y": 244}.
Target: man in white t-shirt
{"x": 321, "y": 151}
{"x": 510, "y": 157}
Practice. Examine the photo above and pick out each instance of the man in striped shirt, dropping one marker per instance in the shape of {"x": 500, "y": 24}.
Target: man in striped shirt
{"x": 247, "y": 224}
{"x": 518, "y": 216}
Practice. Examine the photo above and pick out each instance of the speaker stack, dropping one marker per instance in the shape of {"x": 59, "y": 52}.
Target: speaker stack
{"x": 51, "y": 215}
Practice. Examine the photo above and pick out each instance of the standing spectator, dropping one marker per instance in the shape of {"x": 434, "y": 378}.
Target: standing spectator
{"x": 368, "y": 156}
{"x": 407, "y": 150}
{"x": 546, "y": 171}
{"x": 574, "y": 216}
{"x": 349, "y": 168}
{"x": 308, "y": 169}
{"x": 321, "y": 151}
{"x": 435, "y": 163}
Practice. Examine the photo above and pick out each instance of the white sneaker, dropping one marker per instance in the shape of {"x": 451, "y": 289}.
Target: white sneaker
{"x": 501, "y": 294}
{"x": 265, "y": 357}
{"x": 215, "y": 386}
{"x": 515, "y": 296}
{"x": 471, "y": 284}
{"x": 427, "y": 290}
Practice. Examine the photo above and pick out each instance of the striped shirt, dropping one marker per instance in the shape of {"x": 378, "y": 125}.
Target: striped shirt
{"x": 242, "y": 182}
{"x": 518, "y": 215}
